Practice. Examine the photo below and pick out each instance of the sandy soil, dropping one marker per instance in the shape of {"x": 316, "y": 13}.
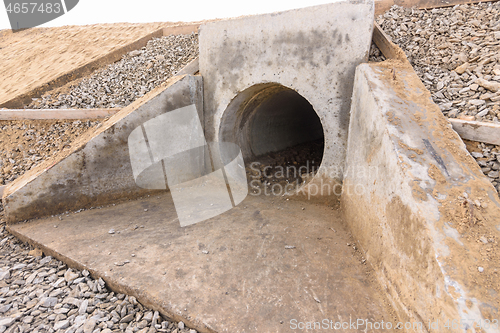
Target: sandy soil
{"x": 35, "y": 56}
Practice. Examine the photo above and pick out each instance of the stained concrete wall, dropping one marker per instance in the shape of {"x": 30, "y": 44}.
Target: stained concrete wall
{"x": 433, "y": 247}
{"x": 96, "y": 170}
{"x": 313, "y": 51}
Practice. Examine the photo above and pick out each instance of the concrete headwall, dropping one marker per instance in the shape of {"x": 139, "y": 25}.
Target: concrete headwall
{"x": 419, "y": 205}
{"x": 313, "y": 51}
{"x": 96, "y": 170}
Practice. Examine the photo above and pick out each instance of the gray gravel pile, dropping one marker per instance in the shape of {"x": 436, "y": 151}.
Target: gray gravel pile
{"x": 25, "y": 144}
{"x": 121, "y": 83}
{"x": 44, "y": 295}
{"x": 375, "y": 54}
{"x": 456, "y": 53}
{"x": 488, "y": 158}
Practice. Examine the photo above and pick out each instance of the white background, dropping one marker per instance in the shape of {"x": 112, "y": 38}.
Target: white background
{"x": 113, "y": 11}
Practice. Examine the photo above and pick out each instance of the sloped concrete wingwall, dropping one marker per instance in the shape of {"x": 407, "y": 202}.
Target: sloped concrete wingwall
{"x": 418, "y": 203}
{"x": 313, "y": 51}
{"x": 97, "y": 169}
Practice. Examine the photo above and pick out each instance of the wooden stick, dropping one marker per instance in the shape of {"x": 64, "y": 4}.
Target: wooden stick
{"x": 477, "y": 131}
{"x": 19, "y": 114}
{"x": 384, "y": 43}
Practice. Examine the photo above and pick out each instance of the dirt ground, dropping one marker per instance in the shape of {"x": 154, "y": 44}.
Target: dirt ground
{"x": 36, "y": 56}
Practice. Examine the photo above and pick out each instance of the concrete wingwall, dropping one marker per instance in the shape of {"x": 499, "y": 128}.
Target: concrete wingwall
{"x": 97, "y": 170}
{"x": 313, "y": 51}
{"x": 419, "y": 205}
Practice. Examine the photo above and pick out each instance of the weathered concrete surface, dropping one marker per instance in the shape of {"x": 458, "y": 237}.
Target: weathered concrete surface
{"x": 232, "y": 273}
{"x": 435, "y": 251}
{"x": 96, "y": 169}
{"x": 313, "y": 51}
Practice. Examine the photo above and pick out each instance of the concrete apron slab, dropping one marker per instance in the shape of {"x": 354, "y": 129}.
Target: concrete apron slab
{"x": 418, "y": 203}
{"x": 232, "y": 273}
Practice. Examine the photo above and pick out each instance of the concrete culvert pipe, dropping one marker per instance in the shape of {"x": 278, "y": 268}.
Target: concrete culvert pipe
{"x": 268, "y": 118}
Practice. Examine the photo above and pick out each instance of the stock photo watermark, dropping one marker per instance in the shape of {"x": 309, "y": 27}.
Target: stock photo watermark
{"x": 31, "y": 13}
{"x": 437, "y": 325}
{"x": 323, "y": 186}
{"x": 170, "y": 152}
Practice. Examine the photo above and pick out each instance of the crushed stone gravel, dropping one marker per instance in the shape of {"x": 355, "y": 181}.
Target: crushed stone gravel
{"x": 121, "y": 83}
{"x": 455, "y": 52}
{"x": 24, "y": 144}
{"x": 42, "y": 295}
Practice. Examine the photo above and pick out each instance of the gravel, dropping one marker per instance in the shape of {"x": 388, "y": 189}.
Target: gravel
{"x": 488, "y": 158}
{"x": 25, "y": 144}
{"x": 275, "y": 174}
{"x": 455, "y": 52}
{"x": 41, "y": 294}
{"x": 121, "y": 83}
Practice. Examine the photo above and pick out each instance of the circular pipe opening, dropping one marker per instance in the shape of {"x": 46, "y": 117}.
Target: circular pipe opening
{"x": 277, "y": 128}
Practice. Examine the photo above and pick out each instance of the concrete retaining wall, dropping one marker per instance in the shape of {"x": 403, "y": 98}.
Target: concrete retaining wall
{"x": 96, "y": 170}
{"x": 433, "y": 247}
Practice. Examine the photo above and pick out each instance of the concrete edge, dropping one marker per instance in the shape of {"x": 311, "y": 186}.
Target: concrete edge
{"x": 192, "y": 68}
{"x": 417, "y": 194}
{"x": 142, "y": 296}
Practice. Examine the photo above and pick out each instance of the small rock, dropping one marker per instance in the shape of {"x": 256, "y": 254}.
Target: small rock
{"x": 69, "y": 276}
{"x": 477, "y": 102}
{"x": 181, "y": 325}
{"x": 6, "y": 321}
{"x": 476, "y": 154}
{"x": 62, "y": 324}
{"x": 135, "y": 53}
{"x": 480, "y": 269}
{"x": 48, "y": 302}
{"x": 111, "y": 231}
{"x": 35, "y": 253}
{"x": 128, "y": 318}
{"x": 493, "y": 174}
{"x": 482, "y": 113}
{"x": 89, "y": 325}
{"x": 462, "y": 68}
{"x": 4, "y": 275}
